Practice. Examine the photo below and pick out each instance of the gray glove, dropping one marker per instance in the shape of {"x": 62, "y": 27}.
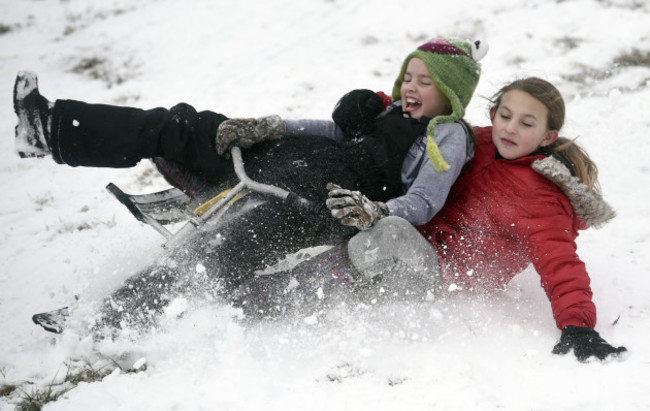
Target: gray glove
{"x": 353, "y": 208}
{"x": 244, "y": 132}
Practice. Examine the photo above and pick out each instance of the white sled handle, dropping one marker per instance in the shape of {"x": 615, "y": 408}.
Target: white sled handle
{"x": 238, "y": 163}
{"x": 244, "y": 183}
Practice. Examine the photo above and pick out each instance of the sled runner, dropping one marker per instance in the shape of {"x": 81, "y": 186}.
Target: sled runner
{"x": 157, "y": 209}
{"x": 173, "y": 206}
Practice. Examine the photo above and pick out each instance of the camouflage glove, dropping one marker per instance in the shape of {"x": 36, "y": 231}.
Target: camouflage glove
{"x": 244, "y": 132}
{"x": 585, "y": 343}
{"x": 353, "y": 208}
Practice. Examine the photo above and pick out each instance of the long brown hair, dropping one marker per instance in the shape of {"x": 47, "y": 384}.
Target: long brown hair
{"x": 567, "y": 150}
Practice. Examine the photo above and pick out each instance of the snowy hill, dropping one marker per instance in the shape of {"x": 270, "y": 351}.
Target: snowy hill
{"x": 64, "y": 240}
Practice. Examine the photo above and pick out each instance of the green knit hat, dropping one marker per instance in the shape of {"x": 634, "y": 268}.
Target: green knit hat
{"x": 454, "y": 68}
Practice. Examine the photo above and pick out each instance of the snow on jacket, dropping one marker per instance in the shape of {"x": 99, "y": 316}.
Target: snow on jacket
{"x": 425, "y": 189}
{"x": 502, "y": 215}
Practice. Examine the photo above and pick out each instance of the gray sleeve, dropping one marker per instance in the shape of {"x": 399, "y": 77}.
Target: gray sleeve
{"x": 428, "y": 191}
{"x": 325, "y": 128}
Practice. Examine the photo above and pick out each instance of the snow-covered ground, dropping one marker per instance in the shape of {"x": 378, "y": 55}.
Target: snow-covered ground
{"x": 62, "y": 236}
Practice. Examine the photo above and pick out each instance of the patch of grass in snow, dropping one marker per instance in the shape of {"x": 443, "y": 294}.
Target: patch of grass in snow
{"x": 6, "y": 389}
{"x": 633, "y": 58}
{"x": 79, "y": 21}
{"x": 85, "y": 372}
{"x": 623, "y": 4}
{"x": 84, "y": 225}
{"x": 42, "y": 201}
{"x": 146, "y": 177}
{"x": 344, "y": 371}
{"x": 101, "y": 69}
{"x": 4, "y": 29}
{"x": 35, "y": 400}
{"x": 569, "y": 43}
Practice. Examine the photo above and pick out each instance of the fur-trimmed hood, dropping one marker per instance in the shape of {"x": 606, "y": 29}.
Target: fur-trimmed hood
{"x": 586, "y": 202}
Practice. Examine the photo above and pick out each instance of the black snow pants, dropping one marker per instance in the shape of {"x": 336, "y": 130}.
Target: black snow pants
{"x": 99, "y": 135}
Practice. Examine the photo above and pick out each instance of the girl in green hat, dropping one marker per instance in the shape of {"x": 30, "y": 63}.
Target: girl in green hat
{"x": 435, "y": 84}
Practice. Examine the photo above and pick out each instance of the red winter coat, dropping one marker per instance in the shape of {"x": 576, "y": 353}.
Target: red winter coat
{"x": 500, "y": 216}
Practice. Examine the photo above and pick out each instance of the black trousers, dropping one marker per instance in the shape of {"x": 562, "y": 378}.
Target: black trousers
{"x": 99, "y": 135}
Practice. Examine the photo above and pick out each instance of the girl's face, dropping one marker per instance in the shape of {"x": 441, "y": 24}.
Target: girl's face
{"x": 519, "y": 125}
{"x": 420, "y": 96}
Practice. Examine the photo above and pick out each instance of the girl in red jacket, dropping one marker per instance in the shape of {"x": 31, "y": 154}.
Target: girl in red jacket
{"x": 521, "y": 200}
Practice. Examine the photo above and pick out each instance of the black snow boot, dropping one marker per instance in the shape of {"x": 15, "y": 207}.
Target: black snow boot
{"x": 52, "y": 321}
{"x": 100, "y": 135}
{"x": 34, "y": 117}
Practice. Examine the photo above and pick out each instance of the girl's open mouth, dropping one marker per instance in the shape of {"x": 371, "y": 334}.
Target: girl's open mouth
{"x": 412, "y": 104}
